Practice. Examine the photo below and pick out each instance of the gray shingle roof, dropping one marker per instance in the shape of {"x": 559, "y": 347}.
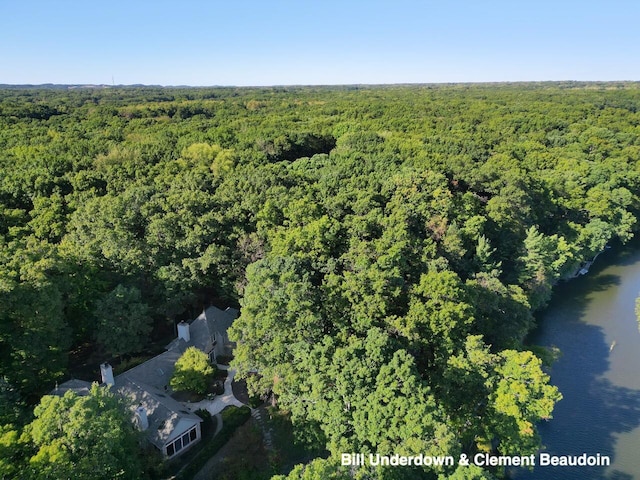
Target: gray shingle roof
{"x": 80, "y": 387}
{"x": 156, "y": 371}
{"x": 167, "y": 418}
{"x": 209, "y": 330}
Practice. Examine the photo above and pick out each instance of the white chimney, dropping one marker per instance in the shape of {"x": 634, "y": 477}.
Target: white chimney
{"x": 107, "y": 374}
{"x": 183, "y": 331}
{"x": 141, "y": 415}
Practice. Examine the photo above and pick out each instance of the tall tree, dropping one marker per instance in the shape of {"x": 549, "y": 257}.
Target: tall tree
{"x": 83, "y": 437}
{"x": 123, "y": 321}
{"x": 34, "y": 335}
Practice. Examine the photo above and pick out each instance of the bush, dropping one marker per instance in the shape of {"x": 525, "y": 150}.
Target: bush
{"x": 235, "y": 416}
{"x": 218, "y": 388}
{"x": 203, "y": 414}
{"x": 255, "y": 401}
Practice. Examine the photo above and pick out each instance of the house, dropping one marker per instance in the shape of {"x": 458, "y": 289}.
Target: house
{"x": 168, "y": 424}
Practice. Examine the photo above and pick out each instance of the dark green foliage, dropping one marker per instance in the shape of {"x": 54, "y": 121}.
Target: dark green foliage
{"x": 203, "y": 414}
{"x": 34, "y": 334}
{"x": 11, "y": 404}
{"x": 123, "y": 321}
{"x": 234, "y": 416}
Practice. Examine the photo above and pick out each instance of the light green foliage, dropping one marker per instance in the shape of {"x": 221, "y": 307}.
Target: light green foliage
{"x": 471, "y": 472}
{"x": 220, "y": 160}
{"x": 278, "y": 312}
{"x": 318, "y": 469}
{"x": 123, "y": 320}
{"x": 501, "y": 395}
{"x": 193, "y": 371}
{"x": 82, "y": 437}
{"x": 468, "y": 378}
{"x": 107, "y": 229}
{"x": 401, "y": 415}
{"x": 12, "y": 452}
{"x": 484, "y": 257}
{"x": 595, "y": 235}
{"x": 48, "y": 217}
{"x": 224, "y": 162}
{"x": 521, "y": 398}
{"x": 201, "y": 152}
{"x": 437, "y": 318}
{"x": 543, "y": 263}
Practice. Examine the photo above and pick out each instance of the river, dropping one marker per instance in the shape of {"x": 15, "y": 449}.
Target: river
{"x": 592, "y": 321}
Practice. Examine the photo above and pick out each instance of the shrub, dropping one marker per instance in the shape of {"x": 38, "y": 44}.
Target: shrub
{"x": 203, "y": 414}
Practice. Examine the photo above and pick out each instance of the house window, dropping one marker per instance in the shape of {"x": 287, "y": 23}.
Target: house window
{"x": 181, "y": 442}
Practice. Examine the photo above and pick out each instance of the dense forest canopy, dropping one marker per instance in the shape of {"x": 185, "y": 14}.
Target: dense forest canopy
{"x": 387, "y": 245}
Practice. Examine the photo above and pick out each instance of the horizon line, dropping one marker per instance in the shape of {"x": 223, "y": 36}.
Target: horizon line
{"x": 284, "y": 85}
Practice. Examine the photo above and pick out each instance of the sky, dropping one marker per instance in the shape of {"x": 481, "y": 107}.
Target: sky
{"x": 316, "y": 42}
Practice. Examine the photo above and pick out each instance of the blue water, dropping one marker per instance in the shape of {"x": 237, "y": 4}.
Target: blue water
{"x": 592, "y": 321}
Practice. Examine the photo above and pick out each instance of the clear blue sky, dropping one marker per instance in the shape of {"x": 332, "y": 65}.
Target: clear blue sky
{"x": 237, "y": 42}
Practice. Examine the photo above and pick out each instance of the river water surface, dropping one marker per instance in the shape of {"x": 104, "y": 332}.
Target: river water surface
{"x": 592, "y": 321}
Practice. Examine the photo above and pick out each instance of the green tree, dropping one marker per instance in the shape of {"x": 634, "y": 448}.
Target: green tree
{"x": 201, "y": 152}
{"x": 543, "y": 264}
{"x": 318, "y": 469}
{"x": 498, "y": 396}
{"x": 484, "y": 257}
{"x": 193, "y": 371}
{"x": 11, "y": 404}
{"x": 438, "y": 318}
{"x": 278, "y": 311}
{"x": 470, "y": 472}
{"x": 12, "y": 452}
{"x": 34, "y": 335}
{"x": 123, "y": 321}
{"x": 83, "y": 437}
{"x": 521, "y": 397}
